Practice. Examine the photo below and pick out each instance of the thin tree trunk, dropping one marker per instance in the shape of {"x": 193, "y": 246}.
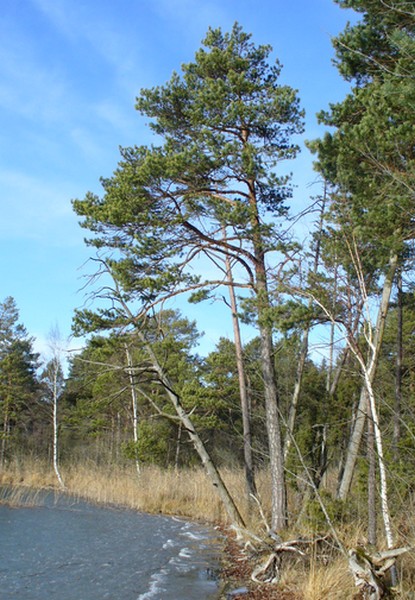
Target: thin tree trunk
{"x": 134, "y": 407}
{"x": 178, "y": 442}
{"x": 55, "y": 424}
{"x": 292, "y": 414}
{"x": 214, "y": 475}
{"x": 381, "y": 462}
{"x": 4, "y": 437}
{"x": 243, "y": 390}
{"x": 371, "y": 500}
{"x": 331, "y": 380}
{"x": 359, "y": 424}
{"x": 398, "y": 376}
{"x": 354, "y": 445}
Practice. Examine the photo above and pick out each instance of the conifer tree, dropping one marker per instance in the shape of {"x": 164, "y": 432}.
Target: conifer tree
{"x": 18, "y": 383}
{"x": 225, "y": 125}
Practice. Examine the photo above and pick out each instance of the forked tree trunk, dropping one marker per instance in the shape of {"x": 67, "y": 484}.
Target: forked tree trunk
{"x": 370, "y": 368}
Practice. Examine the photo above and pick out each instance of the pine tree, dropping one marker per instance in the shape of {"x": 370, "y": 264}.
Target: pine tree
{"x": 18, "y": 383}
{"x": 225, "y": 124}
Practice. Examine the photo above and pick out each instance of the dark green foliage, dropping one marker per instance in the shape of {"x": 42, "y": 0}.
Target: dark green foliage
{"x": 153, "y": 444}
{"x": 338, "y": 511}
{"x": 370, "y": 156}
{"x": 18, "y": 383}
{"x": 381, "y": 43}
{"x": 225, "y": 123}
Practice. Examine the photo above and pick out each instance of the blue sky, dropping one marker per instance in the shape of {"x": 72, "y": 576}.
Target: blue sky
{"x": 69, "y": 74}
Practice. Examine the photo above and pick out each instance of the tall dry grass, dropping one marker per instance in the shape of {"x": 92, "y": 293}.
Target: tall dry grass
{"x": 189, "y": 493}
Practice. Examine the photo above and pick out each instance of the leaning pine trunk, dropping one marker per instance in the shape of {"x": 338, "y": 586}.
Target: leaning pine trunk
{"x": 232, "y": 511}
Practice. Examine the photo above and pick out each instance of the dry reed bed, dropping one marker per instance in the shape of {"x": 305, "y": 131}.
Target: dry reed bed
{"x": 189, "y": 493}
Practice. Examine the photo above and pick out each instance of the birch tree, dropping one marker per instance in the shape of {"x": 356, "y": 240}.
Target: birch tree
{"x": 369, "y": 160}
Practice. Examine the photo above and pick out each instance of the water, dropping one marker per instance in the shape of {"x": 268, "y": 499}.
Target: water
{"x": 75, "y": 551}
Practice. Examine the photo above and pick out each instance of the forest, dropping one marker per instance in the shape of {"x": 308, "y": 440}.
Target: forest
{"x": 204, "y": 215}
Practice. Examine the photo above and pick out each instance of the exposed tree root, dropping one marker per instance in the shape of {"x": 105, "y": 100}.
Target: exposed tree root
{"x": 369, "y": 570}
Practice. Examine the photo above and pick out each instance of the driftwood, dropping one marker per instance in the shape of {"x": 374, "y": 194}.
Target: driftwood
{"x": 369, "y": 570}
{"x": 269, "y": 570}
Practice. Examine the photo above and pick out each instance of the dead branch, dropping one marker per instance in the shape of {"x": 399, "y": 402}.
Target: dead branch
{"x": 368, "y": 569}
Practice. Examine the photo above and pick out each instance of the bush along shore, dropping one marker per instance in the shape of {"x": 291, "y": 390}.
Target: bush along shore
{"x": 306, "y": 565}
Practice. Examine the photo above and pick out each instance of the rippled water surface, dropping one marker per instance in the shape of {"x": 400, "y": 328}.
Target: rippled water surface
{"x": 74, "y": 551}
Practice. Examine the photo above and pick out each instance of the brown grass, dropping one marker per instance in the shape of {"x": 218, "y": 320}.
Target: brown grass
{"x": 332, "y": 581}
{"x": 189, "y": 493}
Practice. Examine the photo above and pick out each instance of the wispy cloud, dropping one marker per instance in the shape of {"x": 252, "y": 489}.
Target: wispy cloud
{"x": 88, "y": 23}
{"x": 31, "y": 206}
{"x": 28, "y": 87}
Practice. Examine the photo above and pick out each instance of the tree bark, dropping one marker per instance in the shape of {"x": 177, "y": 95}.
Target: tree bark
{"x": 278, "y": 491}
{"x": 292, "y": 413}
{"x": 134, "y": 406}
{"x": 381, "y": 462}
{"x": 243, "y": 390}
{"x": 279, "y": 518}
{"x": 371, "y": 487}
{"x": 356, "y": 437}
{"x": 398, "y": 376}
{"x": 55, "y": 422}
{"x": 211, "y": 470}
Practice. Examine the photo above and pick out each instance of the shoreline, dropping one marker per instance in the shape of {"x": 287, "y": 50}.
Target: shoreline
{"x": 235, "y": 568}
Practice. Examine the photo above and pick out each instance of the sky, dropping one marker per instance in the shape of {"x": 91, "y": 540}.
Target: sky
{"x": 69, "y": 75}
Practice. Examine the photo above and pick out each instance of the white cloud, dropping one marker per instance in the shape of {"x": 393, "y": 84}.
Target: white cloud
{"x": 31, "y": 206}
{"x": 29, "y": 88}
{"x": 87, "y": 22}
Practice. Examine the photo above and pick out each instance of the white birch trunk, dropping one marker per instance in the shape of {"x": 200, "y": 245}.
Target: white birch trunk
{"x": 134, "y": 406}
{"x": 370, "y": 370}
{"x": 55, "y": 423}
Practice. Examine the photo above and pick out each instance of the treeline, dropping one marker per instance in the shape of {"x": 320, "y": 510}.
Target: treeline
{"x": 205, "y": 214}
{"x": 112, "y": 408}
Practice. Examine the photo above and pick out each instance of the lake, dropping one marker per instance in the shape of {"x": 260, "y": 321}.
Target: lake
{"x": 71, "y": 550}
